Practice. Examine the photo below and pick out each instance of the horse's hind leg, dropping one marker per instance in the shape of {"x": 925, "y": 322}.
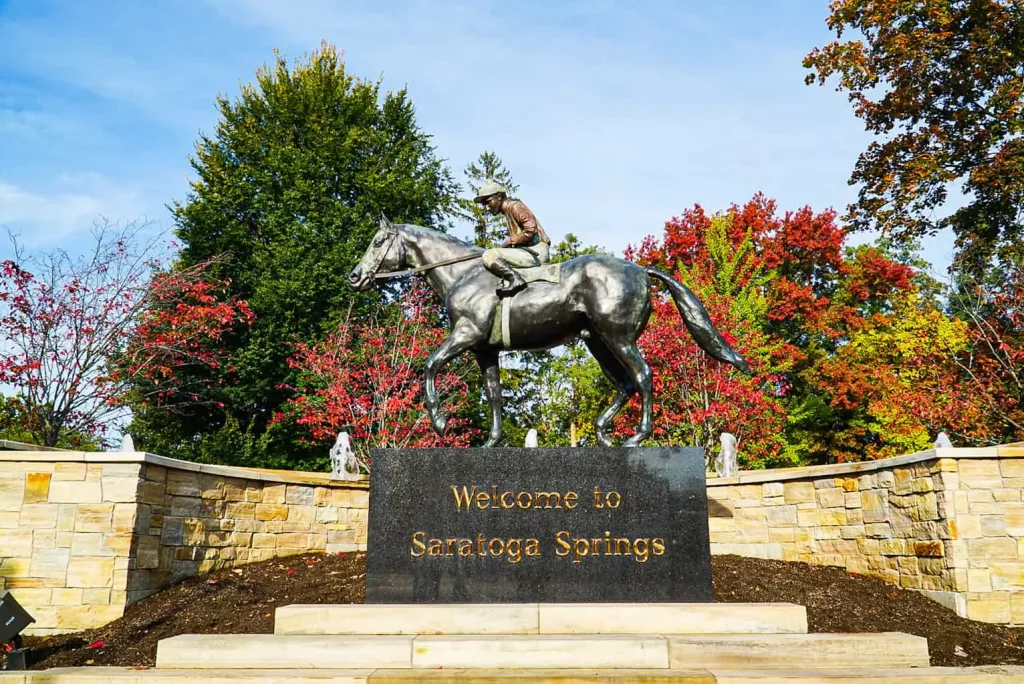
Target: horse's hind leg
{"x": 630, "y": 357}
{"x": 488, "y": 360}
{"x": 624, "y": 388}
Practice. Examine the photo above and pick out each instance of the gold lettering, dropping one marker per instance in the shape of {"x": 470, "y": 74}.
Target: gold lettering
{"x": 514, "y": 550}
{"x": 533, "y": 547}
{"x": 597, "y": 498}
{"x": 580, "y": 549}
{"x": 465, "y": 547}
{"x": 642, "y": 550}
{"x": 527, "y": 503}
{"x": 450, "y": 546}
{"x": 418, "y": 544}
{"x": 483, "y": 500}
{"x": 543, "y": 500}
{"x": 607, "y": 543}
{"x": 501, "y": 546}
{"x": 613, "y": 503}
{"x": 571, "y": 498}
{"x": 562, "y": 539}
{"x": 464, "y": 498}
{"x": 510, "y": 504}
{"x": 619, "y": 542}
{"x": 480, "y": 544}
{"x": 658, "y": 545}
{"x": 434, "y": 548}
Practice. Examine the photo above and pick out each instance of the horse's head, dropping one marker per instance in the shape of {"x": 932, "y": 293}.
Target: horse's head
{"x": 385, "y": 253}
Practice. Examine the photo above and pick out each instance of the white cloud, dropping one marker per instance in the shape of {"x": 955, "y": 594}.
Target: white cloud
{"x": 66, "y": 211}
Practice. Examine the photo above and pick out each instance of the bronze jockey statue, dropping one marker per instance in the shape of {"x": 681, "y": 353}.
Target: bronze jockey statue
{"x": 527, "y": 244}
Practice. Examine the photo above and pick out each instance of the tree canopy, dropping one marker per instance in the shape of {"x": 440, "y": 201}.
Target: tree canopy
{"x": 288, "y": 190}
{"x": 941, "y": 84}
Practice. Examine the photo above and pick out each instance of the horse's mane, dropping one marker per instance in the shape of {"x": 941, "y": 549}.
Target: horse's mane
{"x": 439, "y": 235}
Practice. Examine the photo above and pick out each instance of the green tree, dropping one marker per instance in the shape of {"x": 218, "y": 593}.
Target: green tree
{"x": 290, "y": 187}
{"x": 940, "y": 83}
{"x": 488, "y": 231}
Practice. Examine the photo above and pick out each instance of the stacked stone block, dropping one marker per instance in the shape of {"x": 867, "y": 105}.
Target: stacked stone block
{"x": 82, "y": 535}
{"x": 948, "y": 522}
{"x": 192, "y": 522}
{"x": 66, "y": 532}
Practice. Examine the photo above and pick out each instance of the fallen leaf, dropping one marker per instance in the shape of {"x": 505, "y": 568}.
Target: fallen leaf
{"x": 291, "y": 571}
{"x": 958, "y": 651}
{"x": 90, "y": 662}
{"x": 98, "y": 644}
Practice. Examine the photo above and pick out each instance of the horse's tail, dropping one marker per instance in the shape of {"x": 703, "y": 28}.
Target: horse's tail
{"x": 697, "y": 321}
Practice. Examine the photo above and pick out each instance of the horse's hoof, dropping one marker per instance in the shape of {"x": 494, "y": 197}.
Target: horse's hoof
{"x": 633, "y": 441}
{"x": 492, "y": 442}
{"x": 603, "y": 440}
{"x": 440, "y": 423}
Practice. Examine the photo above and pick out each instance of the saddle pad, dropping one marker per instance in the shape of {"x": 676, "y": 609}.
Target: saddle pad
{"x": 548, "y": 273}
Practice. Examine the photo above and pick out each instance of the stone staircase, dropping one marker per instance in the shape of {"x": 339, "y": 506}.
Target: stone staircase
{"x": 527, "y": 643}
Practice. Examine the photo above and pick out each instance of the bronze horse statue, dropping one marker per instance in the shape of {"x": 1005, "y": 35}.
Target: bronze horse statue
{"x": 602, "y": 299}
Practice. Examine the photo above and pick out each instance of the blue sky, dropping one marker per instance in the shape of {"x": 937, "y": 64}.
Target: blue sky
{"x": 613, "y": 116}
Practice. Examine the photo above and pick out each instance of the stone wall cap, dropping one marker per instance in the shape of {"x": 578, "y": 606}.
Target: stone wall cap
{"x": 861, "y": 467}
{"x": 140, "y": 457}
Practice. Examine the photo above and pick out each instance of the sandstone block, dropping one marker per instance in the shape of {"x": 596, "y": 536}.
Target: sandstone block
{"x": 928, "y": 549}
{"x": 15, "y": 542}
{"x": 969, "y": 526}
{"x": 183, "y": 483}
{"x": 361, "y": 499}
{"x": 88, "y": 544}
{"x": 979, "y": 473}
{"x": 993, "y": 548}
{"x": 878, "y": 530}
{"x": 274, "y": 494}
{"x": 833, "y": 517}
{"x": 152, "y": 493}
{"x": 1006, "y": 495}
{"x": 96, "y": 597}
{"x": 123, "y": 519}
{"x": 240, "y": 510}
{"x": 808, "y": 518}
{"x": 49, "y": 563}
{"x": 266, "y": 511}
{"x": 850, "y": 484}
{"x": 77, "y": 492}
{"x": 891, "y": 547}
{"x": 38, "y": 516}
{"x": 37, "y": 487}
{"x": 852, "y": 499}
{"x": 832, "y": 498}
{"x": 979, "y": 580}
{"x": 147, "y": 554}
{"x": 886, "y": 479}
{"x": 1011, "y": 467}
{"x": 852, "y": 531}
{"x": 68, "y": 471}
{"x": 1007, "y": 576}
{"x": 995, "y": 609}
{"x": 90, "y": 572}
{"x": 120, "y": 489}
{"x": 264, "y": 541}
{"x": 924, "y": 507}
{"x": 117, "y": 544}
{"x": 301, "y": 513}
{"x": 993, "y": 525}
{"x": 66, "y": 597}
{"x": 93, "y": 517}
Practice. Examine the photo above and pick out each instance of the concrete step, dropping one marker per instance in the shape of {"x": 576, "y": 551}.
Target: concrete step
{"x": 547, "y": 651}
{"x": 543, "y": 618}
{"x": 118, "y": 675}
{"x": 807, "y": 651}
{"x": 987, "y": 674}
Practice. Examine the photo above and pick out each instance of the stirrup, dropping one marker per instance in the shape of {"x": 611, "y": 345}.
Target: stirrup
{"x": 511, "y": 285}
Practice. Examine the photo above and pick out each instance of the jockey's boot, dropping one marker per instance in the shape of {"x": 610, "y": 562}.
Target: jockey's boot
{"x": 511, "y": 283}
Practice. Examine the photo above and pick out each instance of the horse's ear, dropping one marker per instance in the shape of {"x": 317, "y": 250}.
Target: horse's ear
{"x": 385, "y": 223}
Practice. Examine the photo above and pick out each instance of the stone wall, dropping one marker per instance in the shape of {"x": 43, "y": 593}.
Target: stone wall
{"x": 82, "y": 535}
{"x": 949, "y": 522}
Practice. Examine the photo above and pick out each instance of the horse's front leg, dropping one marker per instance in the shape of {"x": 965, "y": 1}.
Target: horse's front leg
{"x": 461, "y": 339}
{"x": 488, "y": 360}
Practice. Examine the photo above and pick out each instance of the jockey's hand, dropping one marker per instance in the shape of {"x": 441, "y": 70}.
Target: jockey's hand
{"x": 506, "y": 244}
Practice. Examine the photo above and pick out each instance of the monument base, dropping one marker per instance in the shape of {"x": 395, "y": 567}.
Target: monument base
{"x": 538, "y": 526}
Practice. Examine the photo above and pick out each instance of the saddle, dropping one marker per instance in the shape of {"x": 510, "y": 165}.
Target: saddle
{"x": 548, "y": 273}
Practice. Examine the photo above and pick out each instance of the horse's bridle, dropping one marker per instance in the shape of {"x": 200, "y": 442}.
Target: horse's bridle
{"x": 385, "y": 247}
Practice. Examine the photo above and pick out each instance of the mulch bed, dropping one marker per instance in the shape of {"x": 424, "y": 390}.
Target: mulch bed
{"x": 242, "y": 601}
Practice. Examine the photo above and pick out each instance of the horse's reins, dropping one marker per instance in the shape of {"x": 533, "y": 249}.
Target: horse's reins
{"x": 420, "y": 269}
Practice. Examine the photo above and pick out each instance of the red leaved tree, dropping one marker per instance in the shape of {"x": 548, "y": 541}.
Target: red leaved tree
{"x": 366, "y": 378}
{"x": 66, "y": 323}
